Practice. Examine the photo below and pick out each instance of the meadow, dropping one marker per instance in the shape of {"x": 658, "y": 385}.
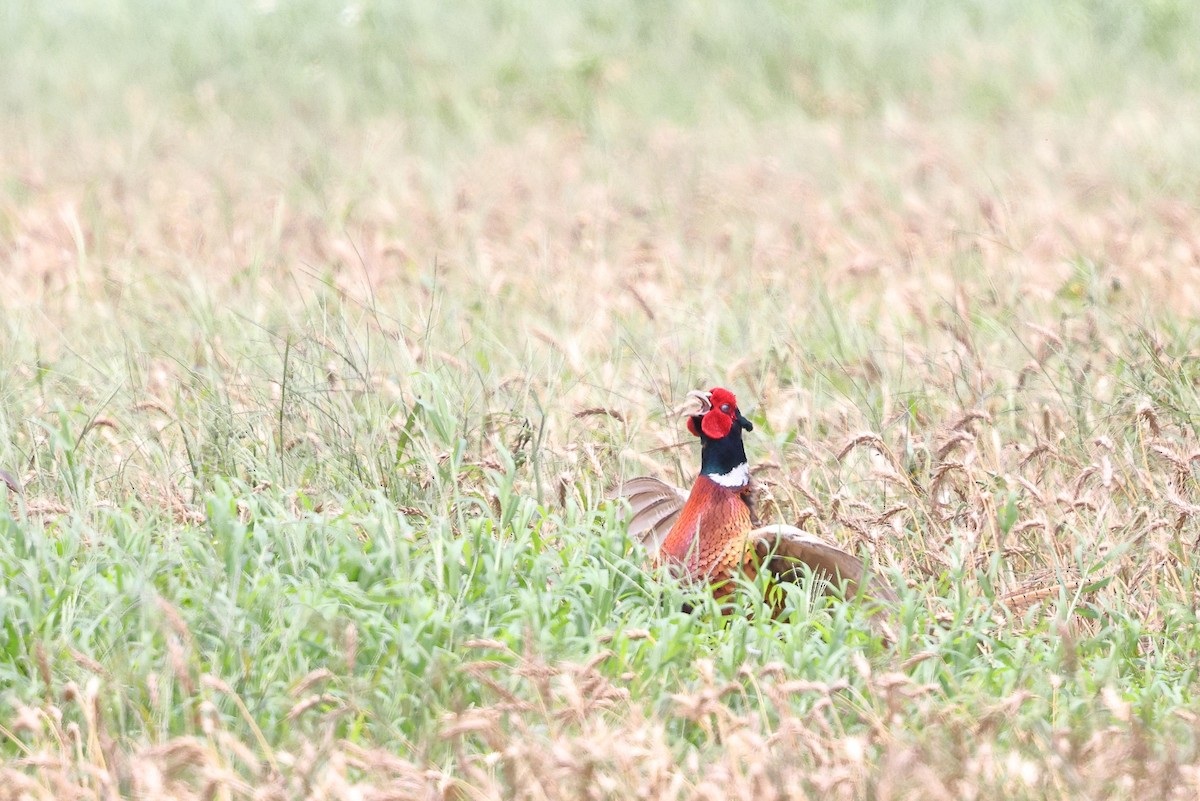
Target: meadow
{"x": 329, "y": 329}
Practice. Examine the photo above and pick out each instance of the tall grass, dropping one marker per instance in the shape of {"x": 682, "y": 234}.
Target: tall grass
{"x": 329, "y": 328}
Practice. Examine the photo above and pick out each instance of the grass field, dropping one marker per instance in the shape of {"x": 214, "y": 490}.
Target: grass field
{"x": 328, "y": 328}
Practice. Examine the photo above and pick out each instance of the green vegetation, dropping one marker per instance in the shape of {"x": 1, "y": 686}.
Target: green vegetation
{"x": 328, "y": 328}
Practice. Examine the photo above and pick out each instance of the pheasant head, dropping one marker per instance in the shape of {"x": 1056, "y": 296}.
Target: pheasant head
{"x": 719, "y": 425}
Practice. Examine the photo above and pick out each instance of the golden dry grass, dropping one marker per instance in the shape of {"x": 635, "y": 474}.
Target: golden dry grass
{"x": 313, "y": 426}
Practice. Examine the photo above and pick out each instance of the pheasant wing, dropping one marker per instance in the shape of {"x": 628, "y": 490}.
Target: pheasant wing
{"x": 655, "y": 506}
{"x": 783, "y": 549}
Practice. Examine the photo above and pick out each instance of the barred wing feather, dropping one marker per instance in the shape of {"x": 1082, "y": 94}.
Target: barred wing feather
{"x": 655, "y": 505}
{"x": 782, "y": 549}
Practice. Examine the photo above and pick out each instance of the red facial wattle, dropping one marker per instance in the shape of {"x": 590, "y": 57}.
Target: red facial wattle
{"x": 716, "y": 424}
{"x": 718, "y": 421}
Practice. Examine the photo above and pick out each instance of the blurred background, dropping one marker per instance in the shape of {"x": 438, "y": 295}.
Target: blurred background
{"x": 814, "y": 143}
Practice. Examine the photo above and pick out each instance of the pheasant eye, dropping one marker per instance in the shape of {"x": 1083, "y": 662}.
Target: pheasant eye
{"x": 725, "y": 408}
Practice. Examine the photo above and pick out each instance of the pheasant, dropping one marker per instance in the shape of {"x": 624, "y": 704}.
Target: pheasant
{"x": 709, "y": 534}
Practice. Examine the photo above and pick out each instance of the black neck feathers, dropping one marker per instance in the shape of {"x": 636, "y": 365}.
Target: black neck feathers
{"x": 721, "y": 457}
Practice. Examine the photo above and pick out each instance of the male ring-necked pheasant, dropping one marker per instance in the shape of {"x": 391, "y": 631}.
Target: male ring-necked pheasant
{"x": 709, "y": 534}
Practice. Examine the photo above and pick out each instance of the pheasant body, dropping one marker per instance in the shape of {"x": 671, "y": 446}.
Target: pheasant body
{"x": 709, "y": 539}
{"x": 708, "y": 534}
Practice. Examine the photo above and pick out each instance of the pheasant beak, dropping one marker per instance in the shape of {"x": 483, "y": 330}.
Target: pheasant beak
{"x": 705, "y": 400}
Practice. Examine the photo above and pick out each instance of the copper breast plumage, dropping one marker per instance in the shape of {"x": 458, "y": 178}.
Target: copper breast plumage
{"x": 709, "y": 538}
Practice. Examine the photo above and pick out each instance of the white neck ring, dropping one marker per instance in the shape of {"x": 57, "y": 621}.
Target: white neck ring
{"x": 737, "y": 477}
